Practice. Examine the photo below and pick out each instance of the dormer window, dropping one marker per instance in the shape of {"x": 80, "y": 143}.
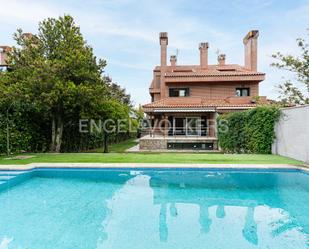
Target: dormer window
{"x": 242, "y": 92}
{"x": 179, "y": 92}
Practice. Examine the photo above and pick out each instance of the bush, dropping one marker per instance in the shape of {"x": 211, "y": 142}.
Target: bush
{"x": 27, "y": 129}
{"x": 250, "y": 131}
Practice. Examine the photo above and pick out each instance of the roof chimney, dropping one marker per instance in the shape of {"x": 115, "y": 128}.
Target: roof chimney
{"x": 203, "y": 54}
{"x": 173, "y": 60}
{"x": 250, "y": 44}
{"x": 163, "y": 44}
{"x": 221, "y": 59}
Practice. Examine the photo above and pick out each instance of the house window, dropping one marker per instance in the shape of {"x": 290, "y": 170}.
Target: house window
{"x": 242, "y": 92}
{"x": 190, "y": 146}
{"x": 179, "y": 92}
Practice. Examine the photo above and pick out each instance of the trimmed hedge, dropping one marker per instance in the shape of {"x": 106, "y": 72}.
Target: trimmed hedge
{"x": 250, "y": 131}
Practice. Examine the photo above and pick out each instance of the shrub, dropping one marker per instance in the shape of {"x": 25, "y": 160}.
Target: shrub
{"x": 233, "y": 139}
{"x": 250, "y": 131}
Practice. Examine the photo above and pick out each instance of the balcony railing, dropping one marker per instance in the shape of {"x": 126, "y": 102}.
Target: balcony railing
{"x": 176, "y": 132}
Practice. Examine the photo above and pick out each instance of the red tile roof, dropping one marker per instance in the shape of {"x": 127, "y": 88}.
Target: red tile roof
{"x": 194, "y": 73}
{"x": 213, "y": 73}
{"x": 201, "y": 102}
{"x": 210, "y": 69}
{"x": 6, "y": 49}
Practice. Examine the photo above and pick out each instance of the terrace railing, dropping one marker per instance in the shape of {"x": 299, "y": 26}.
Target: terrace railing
{"x": 175, "y": 132}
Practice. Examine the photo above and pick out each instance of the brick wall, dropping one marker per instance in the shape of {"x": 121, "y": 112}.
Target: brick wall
{"x": 215, "y": 90}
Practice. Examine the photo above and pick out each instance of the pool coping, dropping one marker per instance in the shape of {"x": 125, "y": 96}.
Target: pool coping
{"x": 33, "y": 166}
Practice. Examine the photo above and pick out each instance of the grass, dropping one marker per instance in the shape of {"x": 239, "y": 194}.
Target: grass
{"x": 118, "y": 155}
{"x": 209, "y": 158}
{"x": 119, "y": 147}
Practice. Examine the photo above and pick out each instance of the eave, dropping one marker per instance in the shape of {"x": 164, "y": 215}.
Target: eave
{"x": 214, "y": 78}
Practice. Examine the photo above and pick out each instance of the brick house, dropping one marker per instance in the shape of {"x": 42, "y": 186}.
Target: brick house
{"x": 186, "y": 99}
{"x": 4, "y": 50}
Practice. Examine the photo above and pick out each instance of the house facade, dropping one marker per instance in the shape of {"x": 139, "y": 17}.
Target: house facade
{"x": 186, "y": 99}
{"x": 4, "y": 50}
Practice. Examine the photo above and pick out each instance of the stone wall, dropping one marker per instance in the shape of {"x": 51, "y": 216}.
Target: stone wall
{"x": 292, "y": 134}
{"x": 160, "y": 143}
{"x": 149, "y": 143}
{"x": 219, "y": 90}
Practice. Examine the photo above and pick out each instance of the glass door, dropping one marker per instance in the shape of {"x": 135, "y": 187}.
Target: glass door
{"x": 193, "y": 126}
{"x": 179, "y": 126}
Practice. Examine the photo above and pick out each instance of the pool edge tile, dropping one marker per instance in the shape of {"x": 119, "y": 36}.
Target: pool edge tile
{"x": 33, "y": 166}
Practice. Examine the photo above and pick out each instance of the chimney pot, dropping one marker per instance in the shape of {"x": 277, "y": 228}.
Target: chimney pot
{"x": 173, "y": 60}
{"x": 251, "y": 34}
{"x": 203, "y": 47}
{"x": 163, "y": 35}
{"x": 221, "y": 59}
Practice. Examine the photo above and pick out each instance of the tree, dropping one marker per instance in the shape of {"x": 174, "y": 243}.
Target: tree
{"x": 54, "y": 81}
{"x": 137, "y": 122}
{"x": 118, "y": 92}
{"x": 289, "y": 92}
{"x": 113, "y": 111}
{"x": 56, "y": 71}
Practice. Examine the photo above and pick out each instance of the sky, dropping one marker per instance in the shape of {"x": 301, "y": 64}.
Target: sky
{"x": 125, "y": 32}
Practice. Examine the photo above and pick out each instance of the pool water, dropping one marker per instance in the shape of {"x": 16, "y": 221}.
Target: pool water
{"x": 151, "y": 209}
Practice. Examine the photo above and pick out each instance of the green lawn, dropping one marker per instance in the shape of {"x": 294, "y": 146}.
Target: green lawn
{"x": 210, "y": 158}
{"x": 118, "y": 155}
{"x": 119, "y": 147}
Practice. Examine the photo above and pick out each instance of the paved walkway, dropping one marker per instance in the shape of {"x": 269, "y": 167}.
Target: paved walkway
{"x": 135, "y": 148}
{"x": 151, "y": 165}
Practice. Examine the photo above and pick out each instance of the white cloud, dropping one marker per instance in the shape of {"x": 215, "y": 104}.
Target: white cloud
{"x": 24, "y": 10}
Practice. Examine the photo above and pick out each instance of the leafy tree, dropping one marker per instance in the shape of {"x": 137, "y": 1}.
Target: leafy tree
{"x": 113, "y": 111}
{"x": 289, "y": 92}
{"x": 56, "y": 75}
{"x": 118, "y": 92}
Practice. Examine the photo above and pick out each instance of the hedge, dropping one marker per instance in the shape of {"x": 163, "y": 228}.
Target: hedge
{"x": 250, "y": 131}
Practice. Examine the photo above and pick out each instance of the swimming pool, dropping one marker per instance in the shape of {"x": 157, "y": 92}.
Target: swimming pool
{"x": 154, "y": 209}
